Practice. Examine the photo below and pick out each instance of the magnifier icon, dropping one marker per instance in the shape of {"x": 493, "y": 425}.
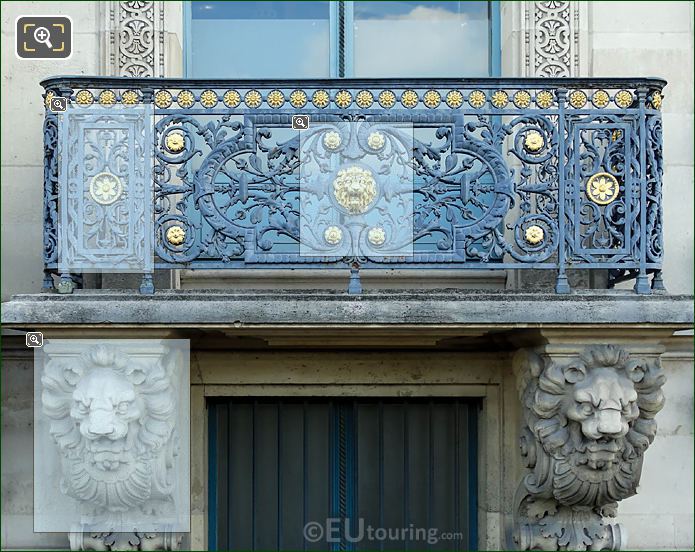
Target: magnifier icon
{"x": 34, "y": 338}
{"x": 300, "y": 122}
{"x": 43, "y": 36}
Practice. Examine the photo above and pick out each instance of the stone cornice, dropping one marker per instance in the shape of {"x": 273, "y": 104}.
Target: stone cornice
{"x": 319, "y": 308}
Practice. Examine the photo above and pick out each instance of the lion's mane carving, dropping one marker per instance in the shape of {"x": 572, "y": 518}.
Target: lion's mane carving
{"x": 587, "y": 423}
{"x": 113, "y": 420}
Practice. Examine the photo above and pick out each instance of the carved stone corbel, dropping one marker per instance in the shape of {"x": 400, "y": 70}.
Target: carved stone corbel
{"x": 113, "y": 412}
{"x": 85, "y": 540}
{"x": 587, "y": 421}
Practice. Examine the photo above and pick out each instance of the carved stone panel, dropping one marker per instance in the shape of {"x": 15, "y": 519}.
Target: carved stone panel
{"x": 587, "y": 421}
{"x": 133, "y": 43}
{"x": 111, "y": 438}
{"x": 554, "y": 39}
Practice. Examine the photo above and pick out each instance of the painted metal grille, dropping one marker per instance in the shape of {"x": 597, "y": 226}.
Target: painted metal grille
{"x": 508, "y": 173}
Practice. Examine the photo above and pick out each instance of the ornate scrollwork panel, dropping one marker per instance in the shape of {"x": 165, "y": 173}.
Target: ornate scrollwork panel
{"x": 50, "y": 190}
{"x": 356, "y": 190}
{"x": 105, "y": 190}
{"x": 605, "y": 195}
{"x": 517, "y": 174}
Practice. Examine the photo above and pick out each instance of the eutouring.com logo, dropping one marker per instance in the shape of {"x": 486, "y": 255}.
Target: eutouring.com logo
{"x": 336, "y": 530}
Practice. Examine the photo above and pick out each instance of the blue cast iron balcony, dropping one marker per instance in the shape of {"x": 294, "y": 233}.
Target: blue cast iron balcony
{"x": 501, "y": 174}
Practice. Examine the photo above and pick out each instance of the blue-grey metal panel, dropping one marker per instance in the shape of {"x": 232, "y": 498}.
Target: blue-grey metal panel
{"x": 104, "y": 187}
{"x": 227, "y": 165}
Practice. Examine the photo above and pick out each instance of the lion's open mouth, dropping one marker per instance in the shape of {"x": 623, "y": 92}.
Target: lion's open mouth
{"x": 596, "y": 463}
{"x": 107, "y": 461}
{"x": 601, "y": 454}
{"x": 107, "y": 455}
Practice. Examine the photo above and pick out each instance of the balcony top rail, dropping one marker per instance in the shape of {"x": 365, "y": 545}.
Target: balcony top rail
{"x": 476, "y": 173}
{"x": 80, "y": 81}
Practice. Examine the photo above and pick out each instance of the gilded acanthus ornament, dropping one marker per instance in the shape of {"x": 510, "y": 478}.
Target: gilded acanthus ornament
{"x": 130, "y": 97}
{"x": 107, "y": 98}
{"x": 454, "y": 99}
{"x": 499, "y": 99}
{"x": 84, "y": 98}
{"x": 476, "y": 99}
{"x": 275, "y": 99}
{"x": 208, "y": 98}
{"x": 253, "y": 99}
{"x": 600, "y": 99}
{"x": 298, "y": 98}
{"x": 343, "y": 99}
{"x": 522, "y": 99}
{"x": 364, "y": 99}
{"x": 231, "y": 98}
{"x": 163, "y": 99}
{"x": 623, "y": 98}
{"x": 47, "y": 99}
{"x": 534, "y": 234}
{"x": 175, "y": 142}
{"x": 320, "y": 99}
{"x": 387, "y": 99}
{"x": 656, "y": 99}
{"x": 432, "y": 99}
{"x": 544, "y": 99}
{"x": 577, "y": 99}
{"x": 586, "y": 424}
{"x": 533, "y": 141}
{"x": 602, "y": 188}
{"x": 185, "y": 99}
{"x": 409, "y": 99}
{"x": 176, "y": 235}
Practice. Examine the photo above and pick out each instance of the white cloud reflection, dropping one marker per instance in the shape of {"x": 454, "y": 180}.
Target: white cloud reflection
{"x": 426, "y": 42}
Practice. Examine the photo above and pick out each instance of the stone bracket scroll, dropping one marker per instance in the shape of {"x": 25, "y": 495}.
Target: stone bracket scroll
{"x": 587, "y": 420}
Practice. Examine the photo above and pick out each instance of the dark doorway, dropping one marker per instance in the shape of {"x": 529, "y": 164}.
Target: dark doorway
{"x": 335, "y": 474}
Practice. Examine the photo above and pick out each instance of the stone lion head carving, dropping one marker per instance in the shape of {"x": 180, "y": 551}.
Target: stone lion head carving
{"x": 588, "y": 423}
{"x": 113, "y": 419}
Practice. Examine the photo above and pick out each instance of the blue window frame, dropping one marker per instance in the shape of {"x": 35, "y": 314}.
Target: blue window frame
{"x": 360, "y": 38}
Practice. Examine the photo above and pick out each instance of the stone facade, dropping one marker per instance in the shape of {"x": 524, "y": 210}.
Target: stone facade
{"x": 529, "y": 358}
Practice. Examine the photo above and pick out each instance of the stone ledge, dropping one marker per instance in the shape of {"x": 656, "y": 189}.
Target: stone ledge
{"x": 294, "y": 308}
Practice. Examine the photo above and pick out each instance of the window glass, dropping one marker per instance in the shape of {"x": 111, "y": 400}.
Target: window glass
{"x": 259, "y": 39}
{"x": 421, "y": 39}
